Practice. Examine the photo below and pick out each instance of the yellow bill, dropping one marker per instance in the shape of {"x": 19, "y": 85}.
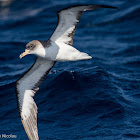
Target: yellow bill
{"x": 24, "y": 53}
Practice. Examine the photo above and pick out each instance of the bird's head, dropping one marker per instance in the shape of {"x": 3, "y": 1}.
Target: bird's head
{"x": 34, "y": 47}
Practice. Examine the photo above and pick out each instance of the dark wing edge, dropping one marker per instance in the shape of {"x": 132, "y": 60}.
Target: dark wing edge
{"x": 30, "y": 121}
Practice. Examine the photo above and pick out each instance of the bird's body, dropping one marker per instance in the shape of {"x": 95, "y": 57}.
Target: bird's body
{"x": 57, "y": 48}
{"x": 60, "y": 52}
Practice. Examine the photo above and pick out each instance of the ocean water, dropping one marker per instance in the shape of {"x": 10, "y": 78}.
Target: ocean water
{"x": 97, "y": 99}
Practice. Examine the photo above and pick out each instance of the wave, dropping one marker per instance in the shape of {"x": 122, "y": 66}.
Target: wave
{"x": 89, "y": 92}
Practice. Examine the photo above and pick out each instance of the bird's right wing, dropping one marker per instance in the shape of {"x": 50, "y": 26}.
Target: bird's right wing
{"x": 26, "y": 87}
{"x": 67, "y": 22}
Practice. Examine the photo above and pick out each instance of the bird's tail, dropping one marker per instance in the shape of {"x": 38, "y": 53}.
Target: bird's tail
{"x": 80, "y": 56}
{"x": 84, "y": 56}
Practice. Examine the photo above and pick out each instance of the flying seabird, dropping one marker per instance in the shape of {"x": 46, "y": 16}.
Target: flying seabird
{"x": 57, "y": 48}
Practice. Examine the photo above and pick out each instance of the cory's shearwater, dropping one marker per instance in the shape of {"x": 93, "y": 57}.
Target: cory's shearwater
{"x": 57, "y": 48}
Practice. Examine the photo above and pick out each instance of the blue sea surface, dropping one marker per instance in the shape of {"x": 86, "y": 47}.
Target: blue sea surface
{"x": 97, "y": 99}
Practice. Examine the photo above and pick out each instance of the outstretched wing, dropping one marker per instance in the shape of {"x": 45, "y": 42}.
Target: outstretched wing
{"x": 26, "y": 88}
{"x": 67, "y": 22}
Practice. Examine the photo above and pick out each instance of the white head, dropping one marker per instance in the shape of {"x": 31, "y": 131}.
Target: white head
{"x": 34, "y": 47}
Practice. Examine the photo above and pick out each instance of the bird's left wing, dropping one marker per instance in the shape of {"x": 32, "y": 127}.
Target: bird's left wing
{"x": 68, "y": 19}
{"x": 26, "y": 87}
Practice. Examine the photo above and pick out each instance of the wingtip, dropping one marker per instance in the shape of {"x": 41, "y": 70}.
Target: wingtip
{"x": 113, "y": 7}
{"x": 89, "y": 7}
{"x": 103, "y": 6}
